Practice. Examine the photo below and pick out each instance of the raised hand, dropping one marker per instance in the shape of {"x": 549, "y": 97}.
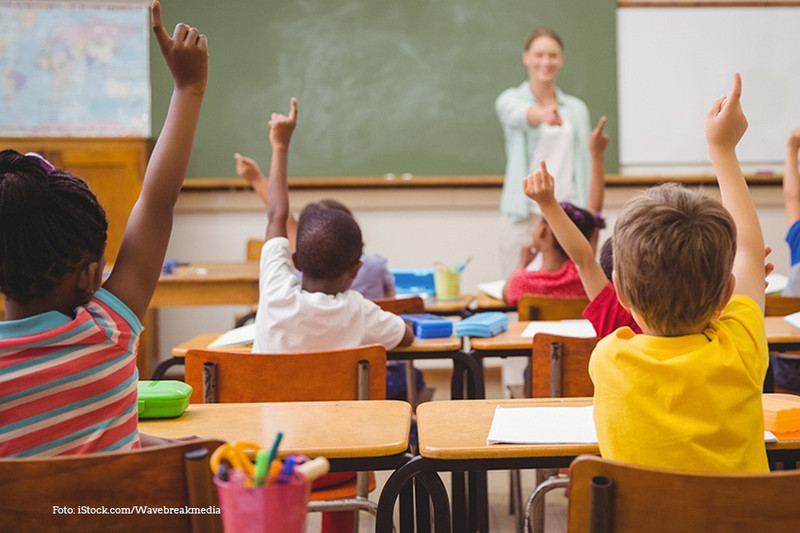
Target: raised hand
{"x": 725, "y": 121}
{"x": 247, "y": 168}
{"x": 281, "y": 126}
{"x": 794, "y": 140}
{"x": 540, "y": 186}
{"x": 186, "y": 52}
{"x": 598, "y": 139}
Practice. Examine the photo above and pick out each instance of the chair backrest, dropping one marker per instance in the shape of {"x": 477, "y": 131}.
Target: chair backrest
{"x": 611, "y": 496}
{"x": 309, "y": 376}
{"x": 560, "y": 366}
{"x": 531, "y": 307}
{"x": 46, "y": 494}
{"x": 775, "y": 305}
{"x": 254, "y": 249}
{"x": 402, "y": 306}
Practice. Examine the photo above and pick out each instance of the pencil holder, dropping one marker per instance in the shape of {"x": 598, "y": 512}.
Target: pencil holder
{"x": 276, "y": 507}
{"x": 447, "y": 284}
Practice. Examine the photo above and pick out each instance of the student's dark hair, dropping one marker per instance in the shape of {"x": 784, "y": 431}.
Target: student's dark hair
{"x": 587, "y": 223}
{"x": 544, "y": 32}
{"x": 49, "y": 223}
{"x": 328, "y": 243}
{"x": 607, "y": 257}
{"x": 327, "y": 203}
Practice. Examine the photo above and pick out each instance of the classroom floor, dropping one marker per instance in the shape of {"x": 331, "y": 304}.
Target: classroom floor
{"x": 500, "y": 521}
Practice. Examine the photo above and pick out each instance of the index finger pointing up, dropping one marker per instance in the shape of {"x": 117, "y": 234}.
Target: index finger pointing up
{"x": 601, "y": 123}
{"x": 736, "y": 91}
{"x": 293, "y": 110}
{"x": 158, "y": 26}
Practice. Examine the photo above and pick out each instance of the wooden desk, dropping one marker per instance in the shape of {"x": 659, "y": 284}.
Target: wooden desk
{"x": 452, "y": 437}
{"x": 457, "y": 306}
{"x": 348, "y": 429}
{"x": 485, "y": 302}
{"x": 353, "y": 435}
{"x": 205, "y": 283}
{"x": 466, "y": 373}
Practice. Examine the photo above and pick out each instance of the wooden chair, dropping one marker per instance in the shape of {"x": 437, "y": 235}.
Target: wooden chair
{"x": 336, "y": 375}
{"x": 609, "y": 496}
{"x": 254, "y": 249}
{"x": 559, "y": 369}
{"x": 532, "y": 307}
{"x": 46, "y": 494}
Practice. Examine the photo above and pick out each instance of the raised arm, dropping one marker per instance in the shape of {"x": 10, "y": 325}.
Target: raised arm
{"x": 248, "y": 169}
{"x": 539, "y": 186}
{"x": 598, "y": 142}
{"x": 791, "y": 179}
{"x": 280, "y": 133}
{"x": 144, "y": 243}
{"x": 725, "y": 126}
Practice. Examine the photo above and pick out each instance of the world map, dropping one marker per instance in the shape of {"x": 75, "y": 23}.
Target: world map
{"x": 74, "y": 69}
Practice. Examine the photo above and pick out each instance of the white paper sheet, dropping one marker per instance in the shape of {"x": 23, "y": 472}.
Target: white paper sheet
{"x": 793, "y": 319}
{"x": 569, "y": 328}
{"x": 236, "y": 337}
{"x": 542, "y": 425}
{"x": 549, "y": 425}
{"x": 493, "y": 288}
{"x": 776, "y": 283}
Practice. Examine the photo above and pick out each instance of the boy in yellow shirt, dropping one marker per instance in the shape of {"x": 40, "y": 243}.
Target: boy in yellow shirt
{"x": 686, "y": 393}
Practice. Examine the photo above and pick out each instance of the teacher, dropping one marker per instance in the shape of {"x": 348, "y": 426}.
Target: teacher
{"x": 540, "y": 122}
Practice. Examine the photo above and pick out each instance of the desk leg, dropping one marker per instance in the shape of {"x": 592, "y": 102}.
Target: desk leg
{"x": 397, "y": 483}
{"x": 458, "y": 487}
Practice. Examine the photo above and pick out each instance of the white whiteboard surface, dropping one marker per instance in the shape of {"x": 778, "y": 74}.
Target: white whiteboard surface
{"x": 673, "y": 63}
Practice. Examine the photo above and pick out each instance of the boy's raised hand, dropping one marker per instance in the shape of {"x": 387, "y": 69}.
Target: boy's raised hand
{"x": 247, "y": 168}
{"x": 186, "y": 52}
{"x": 281, "y": 126}
{"x": 540, "y": 186}
{"x": 725, "y": 121}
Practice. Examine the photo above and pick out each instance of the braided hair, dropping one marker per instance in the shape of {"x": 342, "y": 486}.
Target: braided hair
{"x": 49, "y": 223}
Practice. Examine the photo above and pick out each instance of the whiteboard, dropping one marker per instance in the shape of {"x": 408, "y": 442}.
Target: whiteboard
{"x": 673, "y": 63}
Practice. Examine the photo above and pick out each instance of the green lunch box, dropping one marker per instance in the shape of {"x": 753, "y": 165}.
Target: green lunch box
{"x": 163, "y": 399}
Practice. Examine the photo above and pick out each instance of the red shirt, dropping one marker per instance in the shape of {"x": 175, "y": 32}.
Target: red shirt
{"x": 565, "y": 283}
{"x": 606, "y": 313}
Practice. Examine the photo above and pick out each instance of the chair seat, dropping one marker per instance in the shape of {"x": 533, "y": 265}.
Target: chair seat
{"x": 338, "y": 492}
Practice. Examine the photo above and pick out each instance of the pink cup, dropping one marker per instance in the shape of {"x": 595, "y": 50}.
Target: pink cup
{"x": 274, "y": 508}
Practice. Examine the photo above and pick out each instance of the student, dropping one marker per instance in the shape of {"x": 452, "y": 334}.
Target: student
{"x": 558, "y": 275}
{"x": 373, "y": 279}
{"x": 604, "y": 310}
{"x": 68, "y": 346}
{"x": 787, "y": 371}
{"x": 686, "y": 394}
{"x": 321, "y": 313}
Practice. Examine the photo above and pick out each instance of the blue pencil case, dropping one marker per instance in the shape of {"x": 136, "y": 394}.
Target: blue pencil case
{"x": 428, "y": 326}
{"x": 482, "y": 325}
{"x": 163, "y": 399}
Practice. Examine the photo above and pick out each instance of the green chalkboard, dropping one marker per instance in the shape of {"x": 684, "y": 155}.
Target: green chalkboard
{"x": 383, "y": 86}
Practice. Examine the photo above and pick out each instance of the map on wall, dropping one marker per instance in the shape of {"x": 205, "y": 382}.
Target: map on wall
{"x": 73, "y": 69}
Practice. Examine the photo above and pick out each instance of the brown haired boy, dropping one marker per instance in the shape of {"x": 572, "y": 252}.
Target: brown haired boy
{"x": 686, "y": 393}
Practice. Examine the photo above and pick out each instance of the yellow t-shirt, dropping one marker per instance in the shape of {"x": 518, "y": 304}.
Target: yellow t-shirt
{"x": 691, "y": 402}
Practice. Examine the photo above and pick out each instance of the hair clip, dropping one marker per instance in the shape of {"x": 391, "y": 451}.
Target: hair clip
{"x": 46, "y": 165}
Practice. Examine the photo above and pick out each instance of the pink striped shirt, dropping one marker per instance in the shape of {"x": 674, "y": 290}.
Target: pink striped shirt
{"x": 69, "y": 385}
